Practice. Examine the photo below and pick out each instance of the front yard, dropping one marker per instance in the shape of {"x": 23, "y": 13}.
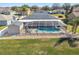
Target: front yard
{"x": 36, "y": 46}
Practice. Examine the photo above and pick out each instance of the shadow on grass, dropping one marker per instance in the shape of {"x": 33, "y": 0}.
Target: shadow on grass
{"x": 71, "y": 42}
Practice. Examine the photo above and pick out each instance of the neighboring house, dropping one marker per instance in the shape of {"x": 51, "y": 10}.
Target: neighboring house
{"x": 23, "y": 13}
{"x": 40, "y": 21}
{"x": 5, "y": 10}
{"x": 59, "y": 10}
{"x": 74, "y": 14}
{"x": 12, "y": 26}
{"x": 5, "y": 19}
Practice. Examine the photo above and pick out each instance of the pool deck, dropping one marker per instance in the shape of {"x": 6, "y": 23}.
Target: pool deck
{"x": 45, "y": 36}
{"x": 34, "y": 36}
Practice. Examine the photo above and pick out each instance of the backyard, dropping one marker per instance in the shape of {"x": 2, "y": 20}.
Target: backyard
{"x": 36, "y": 46}
{"x": 69, "y": 29}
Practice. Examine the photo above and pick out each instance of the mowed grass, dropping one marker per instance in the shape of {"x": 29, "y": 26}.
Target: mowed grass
{"x": 35, "y": 47}
{"x": 69, "y": 29}
{"x": 57, "y": 15}
{"x": 2, "y": 27}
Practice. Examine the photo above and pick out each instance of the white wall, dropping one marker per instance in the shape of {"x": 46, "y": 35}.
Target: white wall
{"x": 8, "y": 22}
{"x": 3, "y": 31}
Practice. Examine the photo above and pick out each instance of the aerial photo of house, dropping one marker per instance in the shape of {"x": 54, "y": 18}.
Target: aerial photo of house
{"x": 52, "y": 23}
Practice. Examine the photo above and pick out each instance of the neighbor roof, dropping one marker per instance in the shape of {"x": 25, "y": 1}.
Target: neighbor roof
{"x": 5, "y": 17}
{"x": 39, "y": 16}
{"x": 76, "y": 14}
{"x": 5, "y": 9}
{"x": 76, "y": 9}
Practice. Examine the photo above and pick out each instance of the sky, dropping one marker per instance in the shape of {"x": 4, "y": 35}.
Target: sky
{"x": 30, "y": 4}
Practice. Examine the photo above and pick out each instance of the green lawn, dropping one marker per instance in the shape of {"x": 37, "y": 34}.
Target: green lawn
{"x": 57, "y": 15}
{"x": 2, "y": 27}
{"x": 69, "y": 29}
{"x": 43, "y": 46}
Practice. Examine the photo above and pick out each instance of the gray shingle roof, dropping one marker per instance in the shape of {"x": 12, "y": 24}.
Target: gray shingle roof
{"x": 39, "y": 16}
{"x": 5, "y": 9}
{"x": 5, "y": 17}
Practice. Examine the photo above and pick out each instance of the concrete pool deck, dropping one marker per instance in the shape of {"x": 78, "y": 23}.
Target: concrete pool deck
{"x": 33, "y": 37}
{"x": 36, "y": 36}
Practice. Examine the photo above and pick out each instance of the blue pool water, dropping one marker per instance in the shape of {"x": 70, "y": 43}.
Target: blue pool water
{"x": 47, "y": 30}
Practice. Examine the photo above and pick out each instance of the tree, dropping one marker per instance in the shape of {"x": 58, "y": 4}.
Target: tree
{"x": 55, "y": 6}
{"x": 68, "y": 9}
{"x": 75, "y": 24}
{"x": 45, "y": 8}
{"x": 25, "y": 6}
{"x": 22, "y": 10}
{"x": 14, "y": 8}
{"x": 70, "y": 40}
{"x": 76, "y": 5}
{"x": 34, "y": 8}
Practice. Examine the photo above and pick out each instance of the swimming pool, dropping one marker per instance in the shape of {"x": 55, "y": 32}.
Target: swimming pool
{"x": 48, "y": 29}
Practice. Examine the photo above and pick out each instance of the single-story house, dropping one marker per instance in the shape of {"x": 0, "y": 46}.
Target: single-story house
{"x": 43, "y": 22}
{"x": 5, "y": 10}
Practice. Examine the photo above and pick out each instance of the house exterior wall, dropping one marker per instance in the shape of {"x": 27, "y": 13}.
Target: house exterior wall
{"x": 9, "y": 22}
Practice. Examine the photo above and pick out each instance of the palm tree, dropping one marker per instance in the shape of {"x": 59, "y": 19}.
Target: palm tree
{"x": 71, "y": 42}
{"x": 45, "y": 8}
{"x": 26, "y": 6}
{"x": 68, "y": 10}
{"x": 76, "y": 5}
{"x": 24, "y": 9}
{"x": 75, "y": 24}
{"x": 14, "y": 8}
{"x": 34, "y": 8}
{"x": 55, "y": 6}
